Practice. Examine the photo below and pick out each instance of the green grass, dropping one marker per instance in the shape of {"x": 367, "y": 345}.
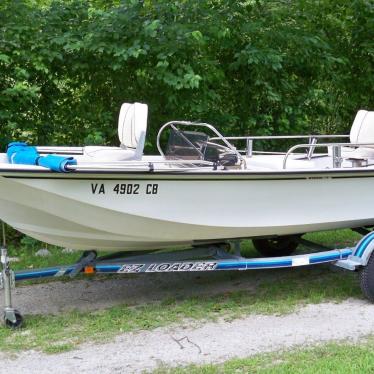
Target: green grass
{"x": 325, "y": 359}
{"x": 28, "y": 260}
{"x": 292, "y": 289}
{"x": 275, "y": 292}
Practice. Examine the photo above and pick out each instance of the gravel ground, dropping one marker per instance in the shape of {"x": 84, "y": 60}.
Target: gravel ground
{"x": 205, "y": 343}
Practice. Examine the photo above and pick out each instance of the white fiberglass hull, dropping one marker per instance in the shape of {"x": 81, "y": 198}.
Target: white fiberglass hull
{"x": 87, "y": 211}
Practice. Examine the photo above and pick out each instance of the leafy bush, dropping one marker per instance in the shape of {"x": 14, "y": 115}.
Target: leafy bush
{"x": 250, "y": 67}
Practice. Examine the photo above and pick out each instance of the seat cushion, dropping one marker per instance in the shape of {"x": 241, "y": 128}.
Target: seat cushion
{"x": 360, "y": 152}
{"x": 105, "y": 154}
{"x": 275, "y": 162}
{"x": 355, "y": 153}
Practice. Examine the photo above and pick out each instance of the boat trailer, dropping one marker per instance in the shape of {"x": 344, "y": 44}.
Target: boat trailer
{"x": 206, "y": 258}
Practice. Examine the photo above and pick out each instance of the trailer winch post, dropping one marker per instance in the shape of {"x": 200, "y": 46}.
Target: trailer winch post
{"x": 12, "y": 317}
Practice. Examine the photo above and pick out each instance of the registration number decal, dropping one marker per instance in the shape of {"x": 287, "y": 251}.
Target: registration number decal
{"x": 124, "y": 189}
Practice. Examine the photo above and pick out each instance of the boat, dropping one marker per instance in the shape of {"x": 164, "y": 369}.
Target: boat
{"x": 202, "y": 187}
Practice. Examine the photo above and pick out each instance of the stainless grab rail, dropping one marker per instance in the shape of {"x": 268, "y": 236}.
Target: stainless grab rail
{"x": 150, "y": 165}
{"x": 250, "y": 140}
{"x": 202, "y": 124}
{"x": 149, "y": 168}
{"x": 60, "y": 150}
{"x": 270, "y": 137}
{"x": 336, "y": 148}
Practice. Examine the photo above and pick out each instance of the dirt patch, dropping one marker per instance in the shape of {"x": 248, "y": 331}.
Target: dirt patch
{"x": 95, "y": 294}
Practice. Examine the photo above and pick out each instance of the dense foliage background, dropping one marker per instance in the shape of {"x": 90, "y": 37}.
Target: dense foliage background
{"x": 249, "y": 67}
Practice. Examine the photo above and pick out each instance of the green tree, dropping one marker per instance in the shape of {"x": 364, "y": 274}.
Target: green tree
{"x": 253, "y": 67}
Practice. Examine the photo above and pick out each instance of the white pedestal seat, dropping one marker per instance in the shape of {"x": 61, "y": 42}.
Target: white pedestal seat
{"x": 132, "y": 128}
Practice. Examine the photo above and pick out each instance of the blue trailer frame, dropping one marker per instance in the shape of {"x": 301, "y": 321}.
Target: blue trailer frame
{"x": 203, "y": 258}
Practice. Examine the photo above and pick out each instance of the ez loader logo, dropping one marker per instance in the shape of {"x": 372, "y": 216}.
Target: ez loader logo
{"x": 168, "y": 267}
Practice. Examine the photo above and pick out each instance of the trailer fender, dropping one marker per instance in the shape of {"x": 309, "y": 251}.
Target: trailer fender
{"x": 364, "y": 249}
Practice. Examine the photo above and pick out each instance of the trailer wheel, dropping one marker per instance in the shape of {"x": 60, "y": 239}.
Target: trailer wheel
{"x": 367, "y": 279}
{"x": 14, "y": 324}
{"x": 281, "y": 246}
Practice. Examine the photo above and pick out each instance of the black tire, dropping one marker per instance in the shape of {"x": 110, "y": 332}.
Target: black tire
{"x": 14, "y": 325}
{"x": 281, "y": 246}
{"x": 367, "y": 279}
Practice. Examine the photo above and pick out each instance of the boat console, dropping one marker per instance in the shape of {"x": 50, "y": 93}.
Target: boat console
{"x": 193, "y": 145}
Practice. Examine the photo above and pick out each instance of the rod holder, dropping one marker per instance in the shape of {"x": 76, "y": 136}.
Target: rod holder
{"x": 249, "y": 150}
{"x": 337, "y": 159}
{"x": 312, "y": 141}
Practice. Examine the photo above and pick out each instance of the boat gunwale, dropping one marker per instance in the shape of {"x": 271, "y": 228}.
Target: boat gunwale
{"x": 190, "y": 175}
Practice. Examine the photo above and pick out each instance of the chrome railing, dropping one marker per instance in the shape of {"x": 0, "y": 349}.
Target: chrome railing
{"x": 336, "y": 151}
{"x": 313, "y": 139}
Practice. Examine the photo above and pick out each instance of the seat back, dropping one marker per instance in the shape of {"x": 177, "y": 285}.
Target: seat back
{"x": 362, "y": 130}
{"x": 132, "y": 126}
